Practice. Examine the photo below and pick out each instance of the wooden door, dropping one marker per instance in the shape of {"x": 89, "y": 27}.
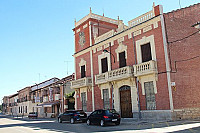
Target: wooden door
{"x": 125, "y": 102}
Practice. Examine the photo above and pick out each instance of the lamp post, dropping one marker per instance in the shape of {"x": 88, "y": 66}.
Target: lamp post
{"x": 106, "y": 51}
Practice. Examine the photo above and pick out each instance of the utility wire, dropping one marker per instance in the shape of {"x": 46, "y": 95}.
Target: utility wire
{"x": 183, "y": 61}
{"x": 184, "y": 37}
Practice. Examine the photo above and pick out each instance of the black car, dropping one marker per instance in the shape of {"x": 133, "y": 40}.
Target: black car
{"x": 72, "y": 116}
{"x": 32, "y": 115}
{"x": 103, "y": 117}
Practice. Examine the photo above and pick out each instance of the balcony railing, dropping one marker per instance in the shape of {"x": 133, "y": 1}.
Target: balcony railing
{"x": 145, "y": 68}
{"x": 117, "y": 74}
{"x": 87, "y": 81}
{"x": 141, "y": 18}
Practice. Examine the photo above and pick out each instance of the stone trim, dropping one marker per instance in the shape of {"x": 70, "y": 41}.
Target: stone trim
{"x": 84, "y": 89}
{"x": 101, "y": 56}
{"x": 145, "y": 40}
{"x": 136, "y": 30}
{"x": 105, "y": 86}
{"x": 148, "y": 78}
{"x": 82, "y": 63}
{"x": 121, "y": 48}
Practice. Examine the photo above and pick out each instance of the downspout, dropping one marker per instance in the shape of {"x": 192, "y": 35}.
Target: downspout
{"x": 136, "y": 78}
{"x": 91, "y": 65}
{"x": 112, "y": 95}
{"x": 166, "y": 59}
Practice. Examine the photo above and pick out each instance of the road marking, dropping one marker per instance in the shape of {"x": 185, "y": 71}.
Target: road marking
{"x": 191, "y": 130}
{"x": 167, "y": 124}
{"x": 152, "y": 125}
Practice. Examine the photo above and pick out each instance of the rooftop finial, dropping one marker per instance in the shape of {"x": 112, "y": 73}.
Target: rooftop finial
{"x": 75, "y": 21}
{"x": 153, "y": 4}
{"x": 90, "y": 10}
{"x": 118, "y": 19}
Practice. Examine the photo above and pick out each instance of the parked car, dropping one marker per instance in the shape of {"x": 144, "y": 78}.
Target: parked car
{"x": 73, "y": 116}
{"x": 103, "y": 117}
{"x": 32, "y": 115}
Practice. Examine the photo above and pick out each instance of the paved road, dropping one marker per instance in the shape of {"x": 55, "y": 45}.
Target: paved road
{"x": 10, "y": 125}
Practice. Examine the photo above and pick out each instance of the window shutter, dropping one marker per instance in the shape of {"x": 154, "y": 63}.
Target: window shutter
{"x": 83, "y": 71}
{"x": 150, "y": 96}
{"x": 122, "y": 59}
{"x": 104, "y": 65}
{"x": 106, "y": 101}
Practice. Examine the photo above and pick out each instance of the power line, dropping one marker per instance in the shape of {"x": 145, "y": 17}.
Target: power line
{"x": 184, "y": 37}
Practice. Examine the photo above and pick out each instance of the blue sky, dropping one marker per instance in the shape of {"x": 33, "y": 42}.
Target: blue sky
{"x": 36, "y": 38}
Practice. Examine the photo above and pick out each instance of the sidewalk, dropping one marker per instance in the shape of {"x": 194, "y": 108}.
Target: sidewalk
{"x": 131, "y": 121}
{"x": 26, "y": 118}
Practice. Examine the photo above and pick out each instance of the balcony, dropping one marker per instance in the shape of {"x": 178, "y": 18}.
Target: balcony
{"x": 145, "y": 68}
{"x": 83, "y": 82}
{"x": 117, "y": 74}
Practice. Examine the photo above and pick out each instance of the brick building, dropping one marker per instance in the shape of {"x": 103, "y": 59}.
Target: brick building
{"x": 184, "y": 56}
{"x": 5, "y": 104}
{"x": 24, "y": 104}
{"x": 115, "y": 64}
{"x": 46, "y": 98}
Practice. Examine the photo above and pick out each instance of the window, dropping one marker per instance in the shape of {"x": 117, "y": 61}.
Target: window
{"x": 106, "y": 102}
{"x": 94, "y": 113}
{"x": 146, "y": 52}
{"x": 122, "y": 59}
{"x": 53, "y": 108}
{"x": 19, "y": 109}
{"x": 150, "y": 96}
{"x": 104, "y": 65}
{"x": 84, "y": 103}
{"x": 26, "y": 109}
{"x": 99, "y": 112}
{"x": 83, "y": 71}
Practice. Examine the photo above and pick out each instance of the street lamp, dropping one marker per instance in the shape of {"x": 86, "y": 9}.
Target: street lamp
{"x": 106, "y": 51}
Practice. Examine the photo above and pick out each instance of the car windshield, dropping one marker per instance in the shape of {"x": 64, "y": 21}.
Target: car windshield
{"x": 111, "y": 111}
{"x": 80, "y": 112}
{"x": 32, "y": 113}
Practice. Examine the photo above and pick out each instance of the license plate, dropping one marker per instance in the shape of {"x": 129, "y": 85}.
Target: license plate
{"x": 81, "y": 115}
{"x": 114, "y": 119}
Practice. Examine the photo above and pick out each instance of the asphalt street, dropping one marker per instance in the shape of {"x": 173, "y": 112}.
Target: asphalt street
{"x": 19, "y": 125}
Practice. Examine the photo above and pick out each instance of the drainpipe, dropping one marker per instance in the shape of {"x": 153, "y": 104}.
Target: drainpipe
{"x": 166, "y": 59}
{"x": 91, "y": 65}
{"x": 111, "y": 70}
{"x": 136, "y": 78}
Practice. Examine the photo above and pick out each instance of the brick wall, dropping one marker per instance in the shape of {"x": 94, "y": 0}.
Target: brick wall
{"x": 178, "y": 26}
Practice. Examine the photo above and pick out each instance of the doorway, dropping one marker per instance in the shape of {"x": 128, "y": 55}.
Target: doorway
{"x": 125, "y": 102}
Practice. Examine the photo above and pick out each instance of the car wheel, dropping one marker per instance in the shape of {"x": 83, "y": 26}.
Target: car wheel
{"x": 102, "y": 123}
{"x": 88, "y": 122}
{"x": 72, "y": 121}
{"x": 59, "y": 120}
{"x": 117, "y": 123}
